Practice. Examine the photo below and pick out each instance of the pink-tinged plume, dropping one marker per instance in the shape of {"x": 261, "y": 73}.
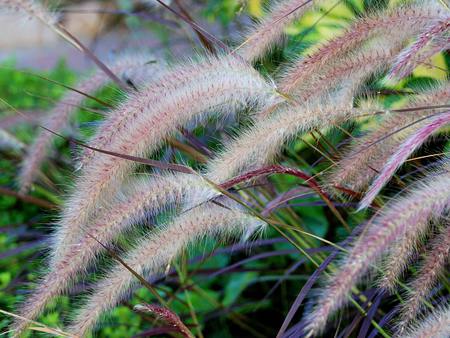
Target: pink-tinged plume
{"x": 369, "y": 153}
{"x": 436, "y": 35}
{"x": 403, "y": 152}
{"x": 154, "y": 252}
{"x": 432, "y": 267}
{"x": 270, "y": 30}
{"x": 141, "y": 125}
{"x": 407, "y": 19}
{"x": 435, "y": 325}
{"x": 430, "y": 199}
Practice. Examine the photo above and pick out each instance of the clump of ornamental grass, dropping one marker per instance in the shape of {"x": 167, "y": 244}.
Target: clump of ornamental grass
{"x": 316, "y": 91}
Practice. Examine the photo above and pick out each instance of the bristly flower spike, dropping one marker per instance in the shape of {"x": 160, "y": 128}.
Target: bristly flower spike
{"x": 429, "y": 272}
{"x": 408, "y": 19}
{"x": 436, "y": 325}
{"x": 403, "y": 152}
{"x": 269, "y": 31}
{"x": 436, "y": 34}
{"x": 430, "y": 199}
{"x": 369, "y": 153}
{"x": 152, "y": 254}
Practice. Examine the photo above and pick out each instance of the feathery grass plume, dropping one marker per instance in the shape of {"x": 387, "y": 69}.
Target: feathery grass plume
{"x": 152, "y": 254}
{"x": 356, "y": 66}
{"x": 10, "y": 142}
{"x": 175, "y": 79}
{"x": 432, "y": 266}
{"x": 137, "y": 199}
{"x": 429, "y": 199}
{"x": 58, "y": 119}
{"x": 405, "y": 19}
{"x": 436, "y": 325}
{"x": 423, "y": 56}
{"x": 368, "y": 154}
{"x": 403, "y": 152}
{"x": 31, "y": 8}
{"x": 408, "y": 59}
{"x": 221, "y": 84}
{"x": 169, "y": 189}
{"x": 270, "y": 29}
{"x": 261, "y": 143}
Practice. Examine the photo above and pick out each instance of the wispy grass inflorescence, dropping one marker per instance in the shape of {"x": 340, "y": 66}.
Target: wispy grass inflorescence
{"x": 270, "y": 30}
{"x": 430, "y": 270}
{"x": 368, "y": 154}
{"x": 356, "y": 66}
{"x": 436, "y": 34}
{"x": 58, "y": 119}
{"x": 436, "y": 325}
{"x": 403, "y": 152}
{"x": 429, "y": 199}
{"x": 407, "y": 19}
{"x": 147, "y": 258}
{"x": 221, "y": 85}
{"x": 261, "y": 143}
